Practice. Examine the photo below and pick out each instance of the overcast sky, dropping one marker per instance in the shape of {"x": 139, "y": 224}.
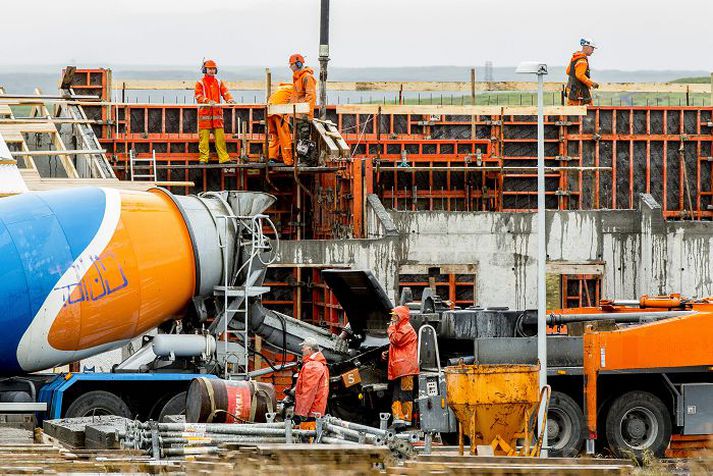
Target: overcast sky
{"x": 632, "y": 34}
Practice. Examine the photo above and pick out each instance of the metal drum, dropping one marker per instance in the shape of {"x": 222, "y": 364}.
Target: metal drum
{"x": 211, "y": 400}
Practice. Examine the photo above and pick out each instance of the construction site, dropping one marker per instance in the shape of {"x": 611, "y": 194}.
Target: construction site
{"x": 539, "y": 263}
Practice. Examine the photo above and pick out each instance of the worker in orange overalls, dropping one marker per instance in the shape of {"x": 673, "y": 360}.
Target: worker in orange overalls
{"x": 580, "y": 84}
{"x": 305, "y": 90}
{"x": 403, "y": 364}
{"x": 209, "y": 90}
{"x": 280, "y": 145}
{"x": 312, "y": 387}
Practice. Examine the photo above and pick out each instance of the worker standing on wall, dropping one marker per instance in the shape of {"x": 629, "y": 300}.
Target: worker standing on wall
{"x": 280, "y": 138}
{"x": 312, "y": 387}
{"x": 209, "y": 90}
{"x": 305, "y": 90}
{"x": 403, "y": 364}
{"x": 579, "y": 85}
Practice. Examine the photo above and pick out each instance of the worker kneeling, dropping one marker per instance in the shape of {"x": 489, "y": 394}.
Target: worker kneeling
{"x": 208, "y": 92}
{"x": 280, "y": 138}
{"x": 403, "y": 364}
{"x": 312, "y": 387}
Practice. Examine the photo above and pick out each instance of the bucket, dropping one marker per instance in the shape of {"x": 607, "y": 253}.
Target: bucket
{"x": 494, "y": 403}
{"x": 212, "y": 400}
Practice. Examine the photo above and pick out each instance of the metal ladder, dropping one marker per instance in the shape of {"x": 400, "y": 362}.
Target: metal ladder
{"x": 236, "y": 299}
{"x": 136, "y": 162}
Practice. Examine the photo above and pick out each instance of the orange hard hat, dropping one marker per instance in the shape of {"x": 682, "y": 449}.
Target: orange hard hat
{"x": 297, "y": 57}
{"x": 209, "y": 63}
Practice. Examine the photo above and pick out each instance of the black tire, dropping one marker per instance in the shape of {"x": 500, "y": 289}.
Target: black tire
{"x": 176, "y": 405}
{"x": 638, "y": 423}
{"x": 98, "y": 402}
{"x": 565, "y": 426}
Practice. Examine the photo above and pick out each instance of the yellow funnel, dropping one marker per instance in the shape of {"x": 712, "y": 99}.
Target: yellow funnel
{"x": 493, "y": 403}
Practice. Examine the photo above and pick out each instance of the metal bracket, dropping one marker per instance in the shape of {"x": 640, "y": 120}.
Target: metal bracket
{"x": 155, "y": 446}
{"x": 564, "y": 123}
{"x": 678, "y": 400}
{"x": 563, "y": 193}
{"x": 384, "y": 420}
{"x": 564, "y": 158}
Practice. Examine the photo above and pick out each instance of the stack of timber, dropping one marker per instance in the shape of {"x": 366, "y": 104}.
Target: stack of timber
{"x": 296, "y": 459}
{"x": 454, "y": 464}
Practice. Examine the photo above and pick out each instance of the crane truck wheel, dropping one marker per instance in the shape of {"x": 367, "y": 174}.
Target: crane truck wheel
{"x": 638, "y": 423}
{"x": 98, "y": 402}
{"x": 565, "y": 426}
{"x": 176, "y": 405}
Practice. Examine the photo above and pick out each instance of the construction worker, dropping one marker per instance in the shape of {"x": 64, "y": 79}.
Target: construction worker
{"x": 304, "y": 86}
{"x": 312, "y": 387}
{"x": 580, "y": 84}
{"x": 403, "y": 365}
{"x": 209, "y": 90}
{"x": 280, "y": 138}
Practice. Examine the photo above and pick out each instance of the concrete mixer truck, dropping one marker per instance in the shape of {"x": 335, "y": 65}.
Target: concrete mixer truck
{"x": 87, "y": 270}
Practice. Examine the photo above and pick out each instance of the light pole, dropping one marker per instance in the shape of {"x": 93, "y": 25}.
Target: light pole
{"x": 540, "y": 69}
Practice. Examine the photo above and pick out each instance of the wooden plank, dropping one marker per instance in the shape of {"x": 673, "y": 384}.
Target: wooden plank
{"x": 575, "y": 268}
{"x": 279, "y": 109}
{"x": 435, "y": 109}
{"x": 328, "y": 141}
{"x": 420, "y": 86}
{"x": 30, "y": 127}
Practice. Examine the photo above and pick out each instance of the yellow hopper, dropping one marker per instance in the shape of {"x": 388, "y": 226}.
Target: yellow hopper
{"x": 495, "y": 404}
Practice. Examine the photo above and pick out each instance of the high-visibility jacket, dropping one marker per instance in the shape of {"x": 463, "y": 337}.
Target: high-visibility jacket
{"x": 312, "y": 387}
{"x": 282, "y": 95}
{"x": 305, "y": 88}
{"x": 207, "y": 89}
{"x": 579, "y": 83}
{"x": 403, "y": 352}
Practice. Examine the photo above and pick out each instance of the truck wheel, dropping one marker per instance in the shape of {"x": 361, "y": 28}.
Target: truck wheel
{"x": 638, "y": 423}
{"x": 565, "y": 425}
{"x": 98, "y": 402}
{"x": 176, "y": 405}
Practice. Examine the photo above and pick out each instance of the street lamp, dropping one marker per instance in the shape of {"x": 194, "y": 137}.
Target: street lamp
{"x": 540, "y": 69}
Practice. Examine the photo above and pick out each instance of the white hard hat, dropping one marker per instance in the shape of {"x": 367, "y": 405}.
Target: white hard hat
{"x": 587, "y": 42}
{"x": 310, "y": 342}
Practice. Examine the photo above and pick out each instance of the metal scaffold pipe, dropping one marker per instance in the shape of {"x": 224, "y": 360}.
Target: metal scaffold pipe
{"x": 323, "y": 57}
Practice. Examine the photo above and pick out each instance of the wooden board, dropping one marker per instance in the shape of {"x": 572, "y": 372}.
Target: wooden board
{"x": 430, "y": 109}
{"x": 422, "y": 86}
{"x": 279, "y": 109}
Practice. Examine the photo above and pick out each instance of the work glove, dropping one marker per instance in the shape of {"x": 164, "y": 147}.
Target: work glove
{"x": 595, "y": 85}
{"x": 231, "y": 101}
{"x": 297, "y": 419}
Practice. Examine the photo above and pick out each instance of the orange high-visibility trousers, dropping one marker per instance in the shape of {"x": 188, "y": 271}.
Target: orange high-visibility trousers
{"x": 280, "y": 139}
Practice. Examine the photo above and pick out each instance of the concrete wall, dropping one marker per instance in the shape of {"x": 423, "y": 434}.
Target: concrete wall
{"x": 636, "y": 251}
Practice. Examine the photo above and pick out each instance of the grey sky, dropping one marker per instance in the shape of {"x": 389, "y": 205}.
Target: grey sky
{"x": 632, "y": 34}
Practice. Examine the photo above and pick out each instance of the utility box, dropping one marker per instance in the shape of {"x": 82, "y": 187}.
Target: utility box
{"x": 697, "y": 408}
{"x": 436, "y": 416}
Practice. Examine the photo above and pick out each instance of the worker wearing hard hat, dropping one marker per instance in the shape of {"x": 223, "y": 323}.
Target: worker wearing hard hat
{"x": 580, "y": 84}
{"x": 312, "y": 387}
{"x": 304, "y": 90}
{"x": 303, "y": 82}
{"x": 209, "y": 90}
{"x": 280, "y": 138}
{"x": 403, "y": 364}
